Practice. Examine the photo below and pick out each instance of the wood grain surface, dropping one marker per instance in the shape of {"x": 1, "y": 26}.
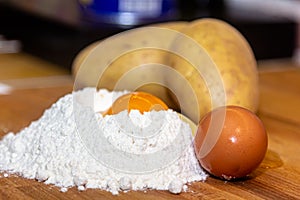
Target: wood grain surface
{"x": 22, "y": 65}
{"x": 278, "y": 177}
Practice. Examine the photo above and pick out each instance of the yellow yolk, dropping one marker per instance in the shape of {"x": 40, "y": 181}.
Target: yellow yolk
{"x": 141, "y": 101}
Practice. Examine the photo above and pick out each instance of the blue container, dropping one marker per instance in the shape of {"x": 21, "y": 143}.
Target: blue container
{"x": 127, "y": 12}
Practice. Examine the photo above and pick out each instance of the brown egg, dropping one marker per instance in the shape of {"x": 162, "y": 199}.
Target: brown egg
{"x": 230, "y": 142}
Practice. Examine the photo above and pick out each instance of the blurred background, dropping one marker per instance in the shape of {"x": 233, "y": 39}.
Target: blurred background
{"x": 57, "y": 30}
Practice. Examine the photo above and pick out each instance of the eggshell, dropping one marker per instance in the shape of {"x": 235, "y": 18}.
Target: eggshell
{"x": 230, "y": 142}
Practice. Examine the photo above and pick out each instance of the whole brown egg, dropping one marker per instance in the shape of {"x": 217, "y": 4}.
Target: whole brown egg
{"x": 230, "y": 142}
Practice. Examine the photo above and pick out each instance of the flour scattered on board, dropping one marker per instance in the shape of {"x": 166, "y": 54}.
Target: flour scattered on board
{"x": 73, "y": 145}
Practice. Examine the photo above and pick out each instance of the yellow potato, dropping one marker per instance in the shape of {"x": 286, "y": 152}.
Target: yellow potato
{"x": 229, "y": 77}
{"x": 175, "y": 25}
{"x": 137, "y": 68}
{"x": 80, "y": 58}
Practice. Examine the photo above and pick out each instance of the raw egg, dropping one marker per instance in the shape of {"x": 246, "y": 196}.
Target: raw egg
{"x": 141, "y": 101}
{"x": 230, "y": 142}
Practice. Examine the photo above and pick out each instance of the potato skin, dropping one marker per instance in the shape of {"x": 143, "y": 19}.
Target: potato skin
{"x": 176, "y": 25}
{"x": 227, "y": 48}
{"x": 80, "y": 58}
{"x": 129, "y": 61}
{"x": 234, "y": 59}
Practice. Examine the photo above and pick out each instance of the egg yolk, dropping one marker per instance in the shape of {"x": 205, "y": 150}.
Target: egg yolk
{"x": 141, "y": 101}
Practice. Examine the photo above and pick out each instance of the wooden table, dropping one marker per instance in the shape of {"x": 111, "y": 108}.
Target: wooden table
{"x": 278, "y": 177}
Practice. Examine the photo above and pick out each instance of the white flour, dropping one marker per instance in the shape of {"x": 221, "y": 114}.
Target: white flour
{"x": 72, "y": 145}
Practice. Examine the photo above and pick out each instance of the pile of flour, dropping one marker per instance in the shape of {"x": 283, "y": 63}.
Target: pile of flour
{"x": 72, "y": 144}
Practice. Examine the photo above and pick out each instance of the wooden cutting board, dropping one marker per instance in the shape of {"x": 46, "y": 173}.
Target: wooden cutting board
{"x": 278, "y": 177}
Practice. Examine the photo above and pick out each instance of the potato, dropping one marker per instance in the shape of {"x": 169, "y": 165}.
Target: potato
{"x": 137, "y": 67}
{"x": 228, "y": 71}
{"x": 80, "y": 58}
{"x": 175, "y": 25}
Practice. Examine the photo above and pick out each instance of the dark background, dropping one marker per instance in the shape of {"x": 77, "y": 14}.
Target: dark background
{"x": 59, "y": 42}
